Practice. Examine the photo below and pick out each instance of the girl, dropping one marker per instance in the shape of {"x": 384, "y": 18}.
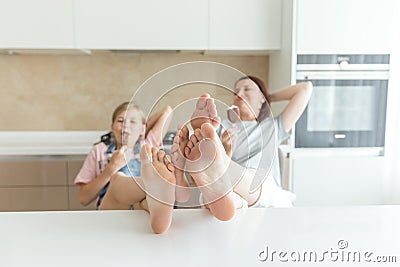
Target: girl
{"x": 128, "y": 133}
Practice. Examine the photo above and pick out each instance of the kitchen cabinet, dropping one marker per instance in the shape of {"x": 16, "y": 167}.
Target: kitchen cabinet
{"x": 40, "y": 24}
{"x": 337, "y": 180}
{"x": 344, "y": 26}
{"x": 28, "y": 184}
{"x": 39, "y": 183}
{"x": 141, "y": 25}
{"x": 245, "y": 25}
{"x": 44, "y": 198}
{"x": 74, "y": 166}
{"x": 235, "y": 25}
{"x": 328, "y": 177}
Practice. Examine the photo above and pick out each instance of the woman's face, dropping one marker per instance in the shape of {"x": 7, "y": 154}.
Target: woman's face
{"x": 128, "y": 127}
{"x": 248, "y": 98}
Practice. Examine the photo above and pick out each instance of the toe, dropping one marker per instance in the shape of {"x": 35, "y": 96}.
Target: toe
{"x": 166, "y": 159}
{"x": 160, "y": 155}
{"x": 170, "y": 167}
{"x": 187, "y": 151}
{"x": 184, "y": 133}
{"x": 207, "y": 130}
{"x": 198, "y": 135}
{"x": 154, "y": 153}
{"x": 189, "y": 145}
{"x": 193, "y": 139}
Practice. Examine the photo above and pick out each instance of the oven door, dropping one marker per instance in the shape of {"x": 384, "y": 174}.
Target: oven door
{"x": 343, "y": 111}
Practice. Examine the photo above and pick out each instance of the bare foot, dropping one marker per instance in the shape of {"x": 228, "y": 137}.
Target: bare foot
{"x": 205, "y": 111}
{"x": 157, "y": 173}
{"x": 182, "y": 190}
{"x": 207, "y": 163}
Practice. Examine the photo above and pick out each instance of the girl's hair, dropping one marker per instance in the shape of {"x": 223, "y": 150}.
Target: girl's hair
{"x": 127, "y": 106}
{"x": 265, "y": 108}
{"x": 124, "y": 107}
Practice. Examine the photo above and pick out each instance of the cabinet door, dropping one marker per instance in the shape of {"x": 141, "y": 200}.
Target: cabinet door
{"x": 245, "y": 25}
{"x": 346, "y": 180}
{"x": 74, "y": 167}
{"x": 42, "y": 198}
{"x": 344, "y": 26}
{"x": 33, "y": 173}
{"x": 138, "y": 24}
{"x": 36, "y": 24}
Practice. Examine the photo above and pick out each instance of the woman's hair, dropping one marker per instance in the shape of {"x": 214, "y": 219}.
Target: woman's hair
{"x": 265, "y": 108}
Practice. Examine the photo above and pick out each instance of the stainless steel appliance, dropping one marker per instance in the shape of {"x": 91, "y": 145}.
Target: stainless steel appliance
{"x": 348, "y": 105}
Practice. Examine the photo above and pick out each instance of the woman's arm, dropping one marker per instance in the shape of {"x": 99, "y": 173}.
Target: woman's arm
{"x": 298, "y": 96}
{"x": 159, "y": 123}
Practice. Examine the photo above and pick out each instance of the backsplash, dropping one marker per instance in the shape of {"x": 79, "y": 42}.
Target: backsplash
{"x": 79, "y": 92}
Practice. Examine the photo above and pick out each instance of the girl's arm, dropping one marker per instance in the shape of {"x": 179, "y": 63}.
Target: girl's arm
{"x": 159, "y": 123}
{"x": 89, "y": 191}
{"x": 298, "y": 96}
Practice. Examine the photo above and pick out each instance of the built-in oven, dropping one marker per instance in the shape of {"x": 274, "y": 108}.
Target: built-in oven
{"x": 348, "y": 104}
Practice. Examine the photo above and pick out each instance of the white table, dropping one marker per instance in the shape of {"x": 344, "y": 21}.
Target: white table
{"x": 124, "y": 238}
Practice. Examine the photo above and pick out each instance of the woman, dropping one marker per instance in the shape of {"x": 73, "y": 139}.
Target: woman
{"x": 253, "y": 140}
{"x": 253, "y": 101}
{"x": 129, "y": 132}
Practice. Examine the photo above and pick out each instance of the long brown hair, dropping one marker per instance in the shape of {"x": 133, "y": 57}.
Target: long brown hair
{"x": 265, "y": 108}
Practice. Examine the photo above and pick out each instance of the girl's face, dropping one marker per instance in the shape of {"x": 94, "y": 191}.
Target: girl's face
{"x": 128, "y": 127}
{"x": 248, "y": 98}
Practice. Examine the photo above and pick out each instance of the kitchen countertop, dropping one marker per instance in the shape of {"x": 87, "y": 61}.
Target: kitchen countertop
{"x": 254, "y": 237}
{"x": 58, "y": 143}
{"x": 32, "y": 143}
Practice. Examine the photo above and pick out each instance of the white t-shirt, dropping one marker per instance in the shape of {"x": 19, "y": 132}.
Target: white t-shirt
{"x": 257, "y": 145}
{"x": 257, "y": 148}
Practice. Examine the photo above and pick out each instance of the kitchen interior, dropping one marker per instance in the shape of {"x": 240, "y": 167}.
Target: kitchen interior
{"x": 65, "y": 65}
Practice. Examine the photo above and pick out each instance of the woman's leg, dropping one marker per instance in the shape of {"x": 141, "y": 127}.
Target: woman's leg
{"x": 207, "y": 163}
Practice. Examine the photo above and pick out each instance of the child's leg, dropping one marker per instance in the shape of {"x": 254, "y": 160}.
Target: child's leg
{"x": 182, "y": 191}
{"x": 205, "y": 111}
{"x": 122, "y": 193}
{"x": 159, "y": 180}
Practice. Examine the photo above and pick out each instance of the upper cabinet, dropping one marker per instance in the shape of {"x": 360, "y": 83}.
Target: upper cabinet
{"x": 237, "y": 25}
{"x": 144, "y": 25}
{"x": 344, "y": 26}
{"x": 245, "y": 25}
{"x": 39, "y": 24}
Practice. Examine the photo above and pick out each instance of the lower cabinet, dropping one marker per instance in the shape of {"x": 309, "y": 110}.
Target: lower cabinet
{"x": 41, "y": 198}
{"x": 73, "y": 167}
{"x": 338, "y": 180}
{"x": 38, "y": 183}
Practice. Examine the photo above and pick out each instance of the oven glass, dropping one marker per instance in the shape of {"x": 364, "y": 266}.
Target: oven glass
{"x": 344, "y": 113}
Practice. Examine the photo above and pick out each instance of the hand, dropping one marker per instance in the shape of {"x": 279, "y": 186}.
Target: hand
{"x": 117, "y": 160}
{"x": 229, "y": 138}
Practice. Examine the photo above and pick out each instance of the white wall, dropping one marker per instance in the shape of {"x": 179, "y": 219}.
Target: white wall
{"x": 391, "y": 180}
